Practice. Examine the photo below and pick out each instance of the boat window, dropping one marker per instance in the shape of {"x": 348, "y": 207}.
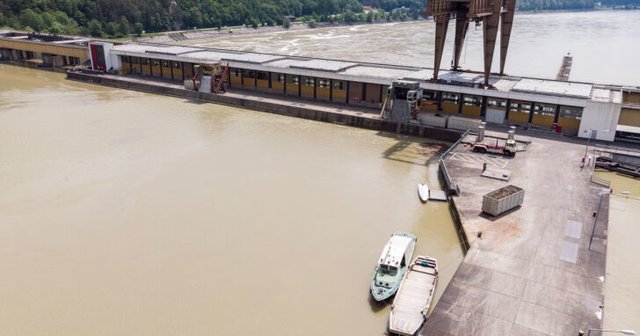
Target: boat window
{"x": 402, "y": 263}
{"x": 392, "y": 270}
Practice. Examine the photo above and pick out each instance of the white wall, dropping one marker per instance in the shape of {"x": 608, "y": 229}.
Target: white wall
{"x": 495, "y": 116}
{"x": 116, "y": 62}
{"x": 111, "y": 59}
{"x": 601, "y": 117}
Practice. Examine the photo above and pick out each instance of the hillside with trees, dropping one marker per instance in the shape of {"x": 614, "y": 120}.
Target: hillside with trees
{"x": 121, "y": 17}
{"x": 117, "y": 18}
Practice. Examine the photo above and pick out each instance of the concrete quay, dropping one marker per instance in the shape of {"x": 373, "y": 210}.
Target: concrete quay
{"x": 529, "y": 271}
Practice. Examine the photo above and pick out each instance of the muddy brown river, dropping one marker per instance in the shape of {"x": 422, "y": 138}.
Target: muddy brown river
{"x": 123, "y": 213}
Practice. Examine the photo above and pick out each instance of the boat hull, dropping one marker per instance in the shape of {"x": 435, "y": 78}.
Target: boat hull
{"x": 392, "y": 266}
{"x": 423, "y": 192}
{"x": 382, "y": 293}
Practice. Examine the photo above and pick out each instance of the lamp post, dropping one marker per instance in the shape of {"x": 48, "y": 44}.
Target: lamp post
{"x": 624, "y": 332}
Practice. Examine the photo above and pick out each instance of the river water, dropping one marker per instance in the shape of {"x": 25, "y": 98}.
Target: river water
{"x": 123, "y": 213}
{"x": 605, "y": 45}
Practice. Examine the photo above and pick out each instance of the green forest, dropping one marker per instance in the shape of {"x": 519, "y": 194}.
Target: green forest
{"x": 123, "y": 17}
{"x": 117, "y": 18}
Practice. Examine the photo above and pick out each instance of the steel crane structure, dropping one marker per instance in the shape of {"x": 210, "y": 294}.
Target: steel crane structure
{"x": 489, "y": 13}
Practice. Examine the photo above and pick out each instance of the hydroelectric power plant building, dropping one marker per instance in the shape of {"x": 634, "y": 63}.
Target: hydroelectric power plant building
{"x": 572, "y": 108}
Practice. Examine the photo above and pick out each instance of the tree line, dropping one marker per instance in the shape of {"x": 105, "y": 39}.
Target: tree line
{"x": 121, "y": 17}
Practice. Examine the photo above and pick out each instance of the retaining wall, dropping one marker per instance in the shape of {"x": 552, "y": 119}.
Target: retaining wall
{"x": 306, "y": 112}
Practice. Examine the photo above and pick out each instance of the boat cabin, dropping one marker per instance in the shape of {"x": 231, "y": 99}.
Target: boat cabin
{"x": 395, "y": 254}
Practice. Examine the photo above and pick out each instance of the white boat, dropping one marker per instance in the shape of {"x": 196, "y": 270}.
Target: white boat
{"x": 423, "y": 192}
{"x": 392, "y": 265}
{"x": 411, "y": 305}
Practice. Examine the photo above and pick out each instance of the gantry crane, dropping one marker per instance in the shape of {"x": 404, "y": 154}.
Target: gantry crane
{"x": 485, "y": 12}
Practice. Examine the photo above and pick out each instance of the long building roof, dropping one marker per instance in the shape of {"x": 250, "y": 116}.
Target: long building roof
{"x": 506, "y": 87}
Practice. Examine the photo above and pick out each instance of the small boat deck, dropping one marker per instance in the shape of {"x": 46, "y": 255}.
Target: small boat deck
{"x": 412, "y": 302}
{"x": 437, "y": 195}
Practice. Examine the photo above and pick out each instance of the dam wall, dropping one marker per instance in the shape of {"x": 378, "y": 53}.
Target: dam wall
{"x": 367, "y": 119}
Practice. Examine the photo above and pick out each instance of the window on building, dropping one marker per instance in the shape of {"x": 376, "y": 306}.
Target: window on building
{"x": 308, "y": 81}
{"x": 449, "y": 97}
{"x": 524, "y": 108}
{"x": 545, "y": 110}
{"x": 472, "y": 101}
{"x": 496, "y": 103}
{"x": 165, "y": 64}
{"x": 520, "y": 107}
{"x": 571, "y": 112}
{"x": 249, "y": 74}
{"x": 295, "y": 80}
{"x": 156, "y": 62}
{"x": 338, "y": 85}
{"x": 281, "y": 78}
{"x": 429, "y": 95}
{"x": 262, "y": 75}
{"x": 176, "y": 65}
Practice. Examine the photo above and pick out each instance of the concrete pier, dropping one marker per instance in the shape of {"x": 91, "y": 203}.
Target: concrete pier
{"x": 529, "y": 271}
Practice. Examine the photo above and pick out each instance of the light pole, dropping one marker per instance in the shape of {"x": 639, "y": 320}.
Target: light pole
{"x": 624, "y": 332}
{"x": 593, "y": 134}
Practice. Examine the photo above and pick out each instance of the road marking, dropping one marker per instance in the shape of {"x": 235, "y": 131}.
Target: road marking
{"x": 480, "y": 159}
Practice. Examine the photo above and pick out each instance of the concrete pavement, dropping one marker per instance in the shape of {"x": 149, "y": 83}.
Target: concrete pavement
{"x": 530, "y": 272}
